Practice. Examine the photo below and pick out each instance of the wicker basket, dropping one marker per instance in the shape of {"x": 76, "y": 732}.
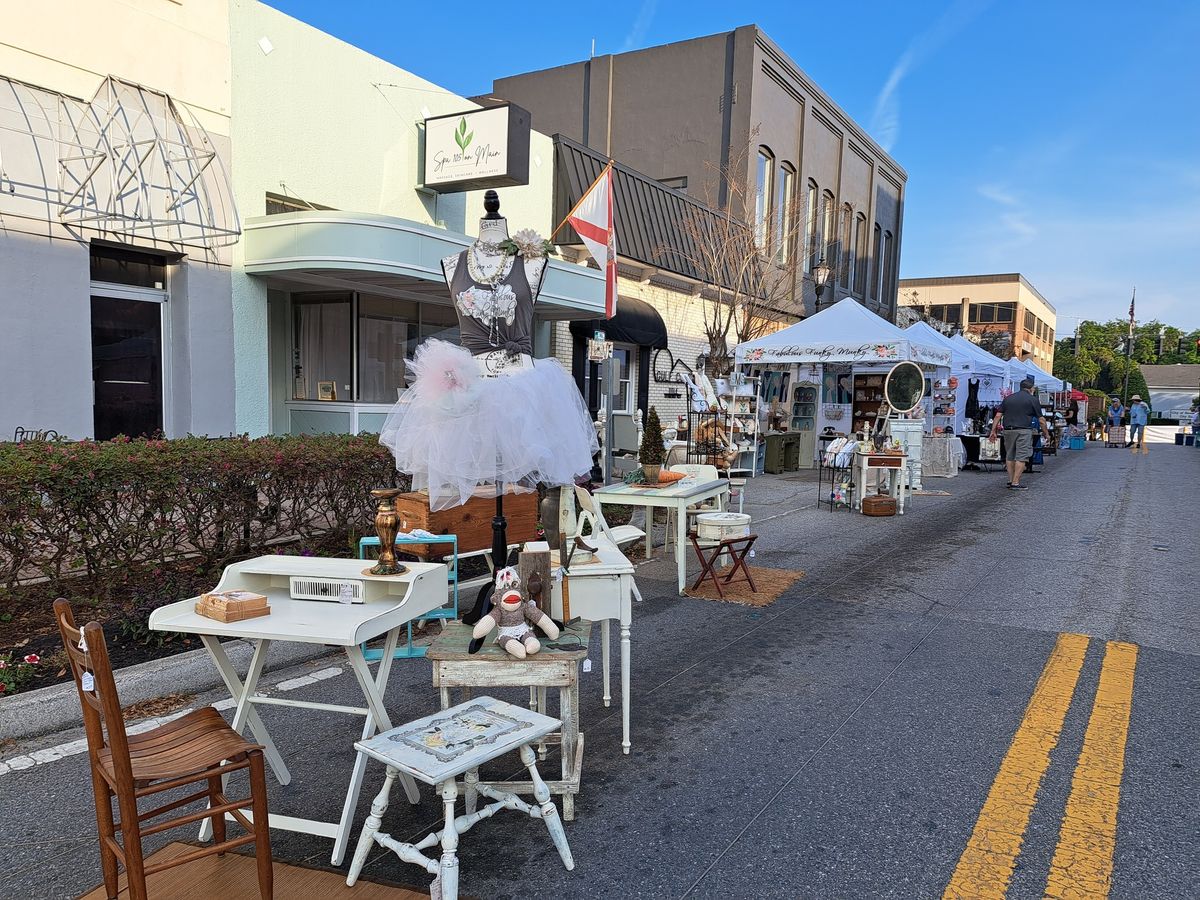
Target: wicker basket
{"x": 879, "y": 505}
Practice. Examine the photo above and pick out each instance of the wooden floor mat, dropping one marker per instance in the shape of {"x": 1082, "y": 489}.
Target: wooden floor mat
{"x": 235, "y": 877}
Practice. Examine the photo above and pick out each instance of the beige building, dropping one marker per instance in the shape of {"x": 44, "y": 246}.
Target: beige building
{"x": 1006, "y": 313}
{"x": 696, "y": 114}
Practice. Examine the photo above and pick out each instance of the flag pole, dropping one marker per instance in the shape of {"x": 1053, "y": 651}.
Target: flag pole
{"x": 579, "y": 202}
{"x": 1128, "y": 351}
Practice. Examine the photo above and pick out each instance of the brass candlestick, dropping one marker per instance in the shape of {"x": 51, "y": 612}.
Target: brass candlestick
{"x": 386, "y": 525}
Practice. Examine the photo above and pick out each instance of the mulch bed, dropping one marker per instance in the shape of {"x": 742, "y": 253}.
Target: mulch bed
{"x": 771, "y": 584}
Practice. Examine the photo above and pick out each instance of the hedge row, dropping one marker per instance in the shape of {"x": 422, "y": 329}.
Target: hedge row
{"x": 100, "y": 508}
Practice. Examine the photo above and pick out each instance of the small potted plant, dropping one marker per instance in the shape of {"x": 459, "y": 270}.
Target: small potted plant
{"x": 652, "y": 451}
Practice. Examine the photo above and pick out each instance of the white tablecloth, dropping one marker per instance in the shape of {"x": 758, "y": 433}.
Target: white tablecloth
{"x": 941, "y": 456}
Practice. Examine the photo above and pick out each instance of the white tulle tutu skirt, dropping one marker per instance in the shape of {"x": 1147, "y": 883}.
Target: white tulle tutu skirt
{"x": 454, "y": 429}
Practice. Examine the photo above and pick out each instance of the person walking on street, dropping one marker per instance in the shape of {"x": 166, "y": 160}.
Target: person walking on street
{"x": 1116, "y": 412}
{"x": 1139, "y": 418}
{"x": 1017, "y": 412}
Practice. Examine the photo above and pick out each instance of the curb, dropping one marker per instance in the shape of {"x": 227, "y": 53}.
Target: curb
{"x": 54, "y": 708}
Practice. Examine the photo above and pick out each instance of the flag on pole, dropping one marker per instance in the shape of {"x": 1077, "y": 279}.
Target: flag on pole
{"x": 1132, "y": 301}
{"x": 592, "y": 218}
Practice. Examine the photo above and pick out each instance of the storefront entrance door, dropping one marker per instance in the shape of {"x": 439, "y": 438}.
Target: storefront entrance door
{"x": 126, "y": 367}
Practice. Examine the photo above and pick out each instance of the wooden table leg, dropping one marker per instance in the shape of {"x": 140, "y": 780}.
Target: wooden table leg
{"x": 378, "y": 807}
{"x": 236, "y": 690}
{"x": 605, "y": 634}
{"x": 448, "y": 868}
{"x": 567, "y": 698}
{"x": 626, "y": 625}
{"x": 681, "y": 546}
{"x": 244, "y": 712}
{"x": 377, "y": 720}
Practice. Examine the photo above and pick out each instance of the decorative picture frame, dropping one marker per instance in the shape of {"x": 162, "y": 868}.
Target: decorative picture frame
{"x": 326, "y": 390}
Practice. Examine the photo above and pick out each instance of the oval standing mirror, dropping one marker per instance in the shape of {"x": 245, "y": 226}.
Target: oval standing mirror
{"x": 904, "y": 387}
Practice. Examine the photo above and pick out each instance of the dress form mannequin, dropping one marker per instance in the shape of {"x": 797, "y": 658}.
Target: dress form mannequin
{"x": 459, "y": 428}
{"x": 493, "y": 230}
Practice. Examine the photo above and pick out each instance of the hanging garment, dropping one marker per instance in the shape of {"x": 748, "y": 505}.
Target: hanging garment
{"x": 972, "y": 409}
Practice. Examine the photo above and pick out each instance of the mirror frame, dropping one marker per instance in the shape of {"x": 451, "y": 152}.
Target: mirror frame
{"x": 888, "y": 380}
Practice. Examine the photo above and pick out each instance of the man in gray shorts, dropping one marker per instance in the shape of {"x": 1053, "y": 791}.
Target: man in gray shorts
{"x": 1018, "y": 412}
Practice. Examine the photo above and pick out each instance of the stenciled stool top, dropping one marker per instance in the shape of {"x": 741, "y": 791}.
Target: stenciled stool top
{"x": 456, "y": 740}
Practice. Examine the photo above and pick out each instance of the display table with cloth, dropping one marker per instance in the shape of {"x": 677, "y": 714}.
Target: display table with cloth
{"x": 677, "y": 497}
{"x": 436, "y": 750}
{"x": 942, "y": 455}
{"x": 556, "y": 665}
{"x": 893, "y": 465}
{"x": 399, "y": 599}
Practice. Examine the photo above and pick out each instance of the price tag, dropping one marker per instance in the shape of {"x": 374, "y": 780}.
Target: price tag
{"x": 89, "y": 682}
{"x": 346, "y": 594}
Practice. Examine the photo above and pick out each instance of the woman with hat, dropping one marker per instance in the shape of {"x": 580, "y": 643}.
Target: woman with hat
{"x": 1139, "y": 418}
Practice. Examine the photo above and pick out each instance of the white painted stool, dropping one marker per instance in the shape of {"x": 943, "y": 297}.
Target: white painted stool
{"x": 436, "y": 750}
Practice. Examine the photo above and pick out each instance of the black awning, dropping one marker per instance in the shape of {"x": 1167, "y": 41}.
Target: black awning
{"x": 636, "y": 322}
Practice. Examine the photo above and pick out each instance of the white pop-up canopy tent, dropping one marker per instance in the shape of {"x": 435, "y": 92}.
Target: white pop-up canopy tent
{"x": 984, "y": 363}
{"x": 846, "y": 332}
{"x": 961, "y": 363}
{"x": 1019, "y": 369}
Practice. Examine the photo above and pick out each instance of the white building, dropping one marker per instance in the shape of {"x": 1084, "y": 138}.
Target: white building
{"x": 214, "y": 215}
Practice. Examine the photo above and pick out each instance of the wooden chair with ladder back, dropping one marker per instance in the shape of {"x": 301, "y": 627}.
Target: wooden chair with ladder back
{"x": 197, "y": 747}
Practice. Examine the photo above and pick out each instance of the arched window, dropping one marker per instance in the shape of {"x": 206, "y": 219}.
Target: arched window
{"x": 877, "y": 253}
{"x": 785, "y": 233}
{"x": 858, "y": 263}
{"x": 844, "y": 250}
{"x": 810, "y": 227}
{"x": 828, "y": 226}
{"x": 762, "y": 198}
{"x": 885, "y": 270}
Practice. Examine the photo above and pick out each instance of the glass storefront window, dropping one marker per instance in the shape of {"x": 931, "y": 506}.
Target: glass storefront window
{"x": 323, "y": 349}
{"x": 361, "y": 343}
{"x": 388, "y": 331}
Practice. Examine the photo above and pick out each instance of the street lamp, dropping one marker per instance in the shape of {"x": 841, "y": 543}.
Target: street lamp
{"x": 821, "y": 275}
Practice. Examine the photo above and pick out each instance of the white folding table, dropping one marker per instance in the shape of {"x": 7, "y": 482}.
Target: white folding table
{"x": 678, "y": 497}
{"x": 391, "y": 603}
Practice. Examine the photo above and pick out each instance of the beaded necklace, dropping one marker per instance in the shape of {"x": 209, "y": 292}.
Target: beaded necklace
{"x": 476, "y": 255}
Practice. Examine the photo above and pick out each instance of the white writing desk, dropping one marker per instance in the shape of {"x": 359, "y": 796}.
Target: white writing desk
{"x": 392, "y": 603}
{"x": 600, "y": 591}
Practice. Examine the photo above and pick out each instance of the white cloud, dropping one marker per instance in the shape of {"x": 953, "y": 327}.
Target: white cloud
{"x": 641, "y": 24}
{"x": 885, "y": 120}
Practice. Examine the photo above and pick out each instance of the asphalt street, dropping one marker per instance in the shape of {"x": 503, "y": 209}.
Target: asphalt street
{"x": 994, "y": 695}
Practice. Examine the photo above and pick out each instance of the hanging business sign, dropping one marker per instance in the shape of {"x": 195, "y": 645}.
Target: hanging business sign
{"x": 483, "y": 148}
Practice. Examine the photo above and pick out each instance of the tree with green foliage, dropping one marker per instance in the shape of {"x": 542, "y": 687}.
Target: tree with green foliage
{"x": 1096, "y": 355}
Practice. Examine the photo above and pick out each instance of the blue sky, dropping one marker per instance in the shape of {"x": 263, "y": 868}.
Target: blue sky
{"x": 1060, "y": 140}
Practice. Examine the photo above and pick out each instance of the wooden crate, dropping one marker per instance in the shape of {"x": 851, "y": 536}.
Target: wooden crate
{"x": 472, "y": 521}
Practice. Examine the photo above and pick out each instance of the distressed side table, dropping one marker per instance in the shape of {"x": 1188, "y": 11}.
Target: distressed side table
{"x": 492, "y": 667}
{"x": 436, "y": 750}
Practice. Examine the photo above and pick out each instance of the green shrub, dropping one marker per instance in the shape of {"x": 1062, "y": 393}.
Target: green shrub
{"x": 99, "y": 509}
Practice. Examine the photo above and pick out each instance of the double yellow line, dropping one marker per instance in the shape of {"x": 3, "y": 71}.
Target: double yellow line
{"x": 1082, "y": 866}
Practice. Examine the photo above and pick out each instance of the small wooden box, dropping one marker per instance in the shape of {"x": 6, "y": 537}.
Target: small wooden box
{"x": 232, "y": 606}
{"x": 472, "y": 521}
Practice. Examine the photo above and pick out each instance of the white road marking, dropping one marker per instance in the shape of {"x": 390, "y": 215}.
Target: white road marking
{"x": 73, "y": 748}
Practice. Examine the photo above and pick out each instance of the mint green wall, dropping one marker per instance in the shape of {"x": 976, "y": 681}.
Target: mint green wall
{"x": 339, "y": 128}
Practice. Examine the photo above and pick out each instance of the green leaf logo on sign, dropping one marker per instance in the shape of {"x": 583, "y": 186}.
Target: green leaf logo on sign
{"x": 462, "y": 137}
